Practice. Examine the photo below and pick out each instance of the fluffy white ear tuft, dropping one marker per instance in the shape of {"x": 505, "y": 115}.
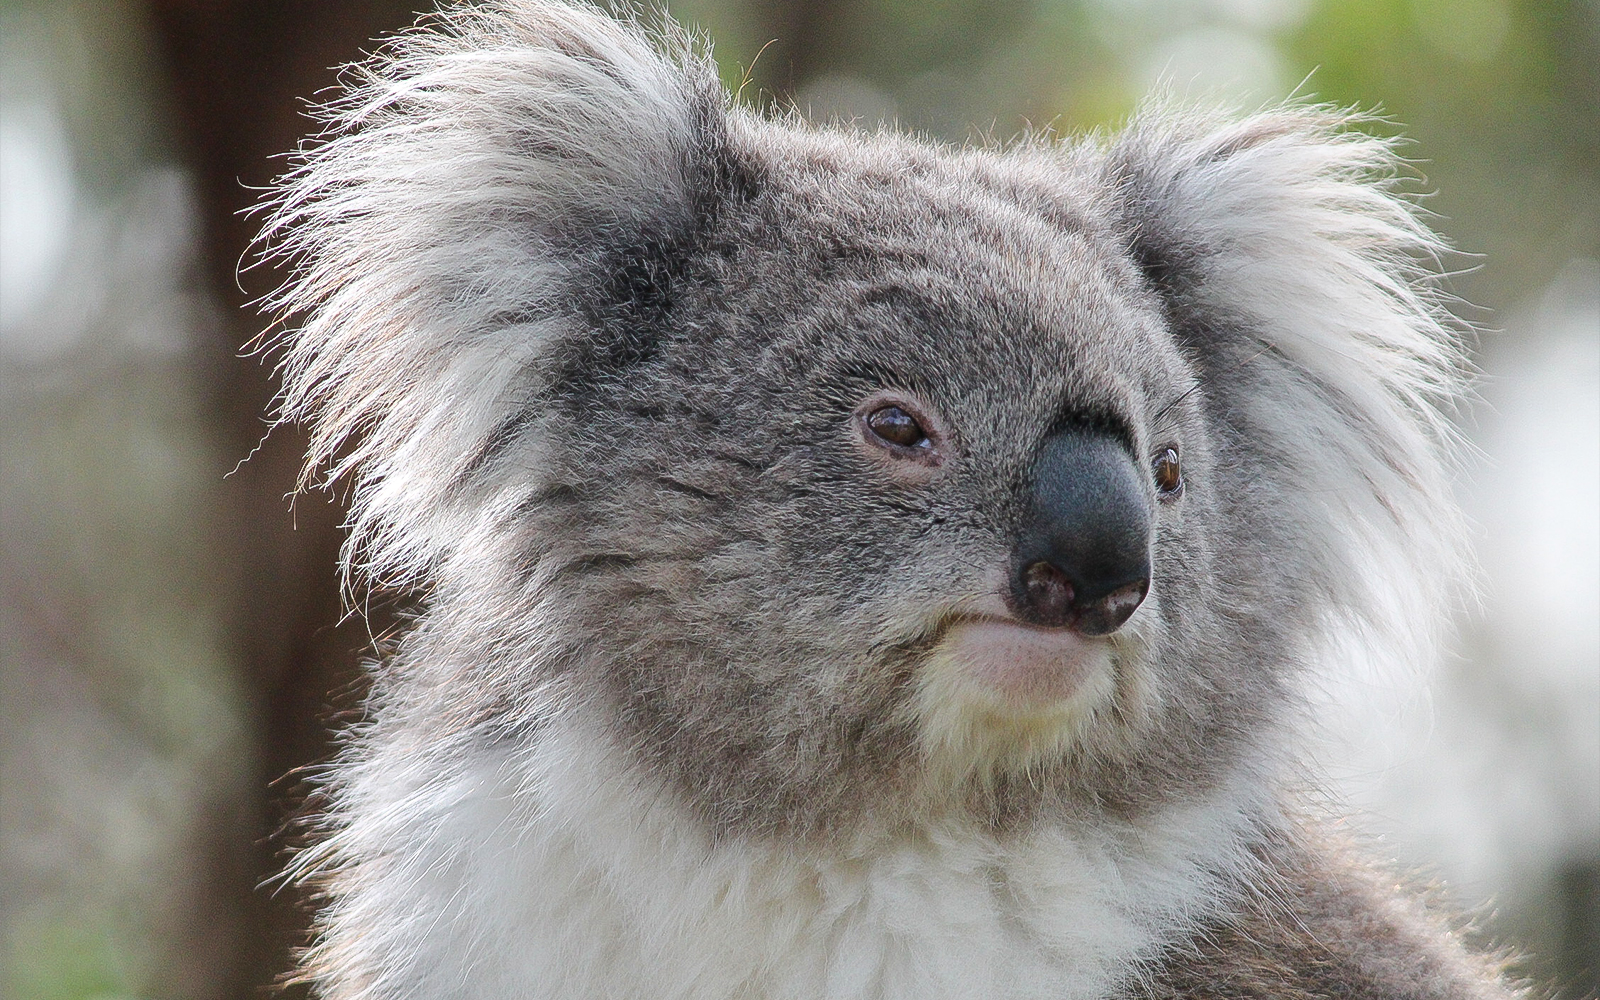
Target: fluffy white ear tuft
{"x": 470, "y": 181}
{"x": 1300, "y": 280}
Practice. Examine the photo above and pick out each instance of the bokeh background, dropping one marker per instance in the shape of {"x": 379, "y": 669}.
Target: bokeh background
{"x": 174, "y": 646}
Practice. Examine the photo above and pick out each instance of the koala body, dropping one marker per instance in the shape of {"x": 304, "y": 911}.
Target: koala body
{"x": 849, "y": 566}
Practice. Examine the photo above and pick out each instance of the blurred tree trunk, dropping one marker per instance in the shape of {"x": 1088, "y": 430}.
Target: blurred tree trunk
{"x": 805, "y": 37}
{"x": 240, "y": 73}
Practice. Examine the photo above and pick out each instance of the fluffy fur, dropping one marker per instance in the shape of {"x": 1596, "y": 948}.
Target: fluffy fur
{"x": 679, "y": 717}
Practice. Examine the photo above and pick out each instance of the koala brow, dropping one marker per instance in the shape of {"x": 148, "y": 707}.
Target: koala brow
{"x": 865, "y": 373}
{"x": 1072, "y": 415}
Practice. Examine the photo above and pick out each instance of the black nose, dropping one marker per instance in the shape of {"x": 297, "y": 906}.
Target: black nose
{"x": 1083, "y": 556}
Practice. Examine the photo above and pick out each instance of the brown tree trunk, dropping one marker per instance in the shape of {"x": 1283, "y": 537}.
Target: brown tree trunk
{"x": 240, "y": 73}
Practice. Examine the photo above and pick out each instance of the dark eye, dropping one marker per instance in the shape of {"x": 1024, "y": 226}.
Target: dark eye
{"x": 897, "y": 427}
{"x": 1169, "y": 476}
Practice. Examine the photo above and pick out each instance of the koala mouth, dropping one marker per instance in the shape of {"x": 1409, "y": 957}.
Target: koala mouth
{"x": 995, "y": 694}
{"x": 1004, "y": 661}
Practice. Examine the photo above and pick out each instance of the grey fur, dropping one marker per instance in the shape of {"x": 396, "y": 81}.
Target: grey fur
{"x": 586, "y": 338}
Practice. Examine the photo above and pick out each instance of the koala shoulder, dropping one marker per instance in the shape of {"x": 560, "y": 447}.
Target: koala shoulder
{"x": 1327, "y": 922}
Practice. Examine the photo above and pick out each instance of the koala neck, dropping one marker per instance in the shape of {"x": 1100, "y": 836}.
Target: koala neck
{"x": 527, "y": 853}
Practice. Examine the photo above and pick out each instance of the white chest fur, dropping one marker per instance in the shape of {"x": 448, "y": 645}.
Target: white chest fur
{"x": 553, "y": 873}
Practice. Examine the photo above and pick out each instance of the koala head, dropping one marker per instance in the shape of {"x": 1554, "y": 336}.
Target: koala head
{"x": 840, "y": 474}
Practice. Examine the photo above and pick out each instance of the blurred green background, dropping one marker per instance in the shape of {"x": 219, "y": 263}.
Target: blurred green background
{"x": 174, "y": 646}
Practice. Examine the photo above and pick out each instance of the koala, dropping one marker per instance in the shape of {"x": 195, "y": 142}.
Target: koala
{"x": 850, "y": 566}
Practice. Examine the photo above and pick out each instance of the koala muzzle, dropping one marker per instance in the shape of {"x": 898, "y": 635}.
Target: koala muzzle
{"x": 1082, "y": 558}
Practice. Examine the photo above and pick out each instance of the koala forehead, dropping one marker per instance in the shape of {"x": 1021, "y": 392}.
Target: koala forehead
{"x": 994, "y": 288}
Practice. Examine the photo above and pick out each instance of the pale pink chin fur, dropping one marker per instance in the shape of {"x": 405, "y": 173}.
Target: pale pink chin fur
{"x": 1027, "y": 666}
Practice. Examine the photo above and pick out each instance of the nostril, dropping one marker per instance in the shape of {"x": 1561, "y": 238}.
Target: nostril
{"x": 1046, "y": 596}
{"x": 1047, "y": 593}
{"x": 1108, "y": 614}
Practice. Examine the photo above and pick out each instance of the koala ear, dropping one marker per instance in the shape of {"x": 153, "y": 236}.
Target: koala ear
{"x": 476, "y": 179}
{"x": 1305, "y": 289}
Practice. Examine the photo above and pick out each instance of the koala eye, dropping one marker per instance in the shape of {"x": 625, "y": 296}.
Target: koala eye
{"x": 903, "y": 435}
{"x": 1168, "y": 474}
{"x": 897, "y": 427}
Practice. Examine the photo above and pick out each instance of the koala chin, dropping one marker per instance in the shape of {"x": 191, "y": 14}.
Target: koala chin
{"x": 849, "y": 566}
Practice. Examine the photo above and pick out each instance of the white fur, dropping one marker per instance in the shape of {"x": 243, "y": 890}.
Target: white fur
{"x": 430, "y": 224}
{"x": 556, "y": 871}
{"x": 1306, "y": 240}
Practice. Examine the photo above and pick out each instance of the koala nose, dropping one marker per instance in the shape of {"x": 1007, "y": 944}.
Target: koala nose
{"x": 1083, "y": 557}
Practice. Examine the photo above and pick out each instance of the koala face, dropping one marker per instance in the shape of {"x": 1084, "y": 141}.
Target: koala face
{"x": 894, "y": 482}
{"x": 844, "y": 476}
